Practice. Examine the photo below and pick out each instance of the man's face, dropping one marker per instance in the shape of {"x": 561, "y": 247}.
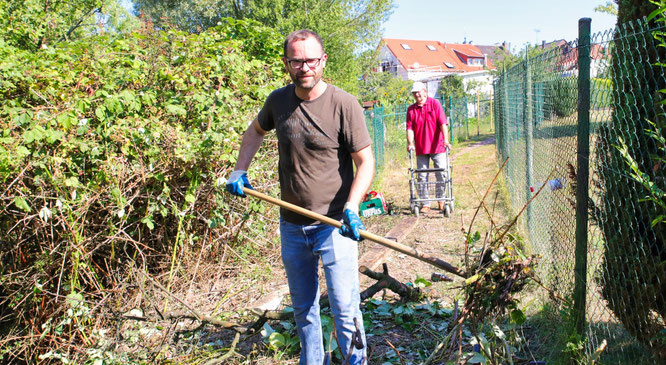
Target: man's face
{"x": 420, "y": 97}
{"x": 301, "y": 53}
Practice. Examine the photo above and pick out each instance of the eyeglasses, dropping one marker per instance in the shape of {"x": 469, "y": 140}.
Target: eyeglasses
{"x": 311, "y": 62}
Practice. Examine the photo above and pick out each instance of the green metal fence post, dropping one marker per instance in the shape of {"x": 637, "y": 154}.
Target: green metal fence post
{"x": 505, "y": 115}
{"x": 451, "y": 120}
{"x": 582, "y": 174}
{"x": 466, "y": 117}
{"x": 378, "y": 127}
{"x": 528, "y": 124}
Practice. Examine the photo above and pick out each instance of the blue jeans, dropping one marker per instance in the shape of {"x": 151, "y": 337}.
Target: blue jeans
{"x": 302, "y": 247}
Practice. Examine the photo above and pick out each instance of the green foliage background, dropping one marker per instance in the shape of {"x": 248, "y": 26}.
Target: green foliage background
{"x": 111, "y": 147}
{"x": 347, "y": 27}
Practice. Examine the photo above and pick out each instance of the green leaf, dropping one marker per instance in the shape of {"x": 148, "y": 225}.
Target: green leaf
{"x": 22, "y": 204}
{"x": 656, "y": 12}
{"x": 74, "y": 299}
{"x": 53, "y": 135}
{"x": 176, "y": 109}
{"x": 34, "y": 134}
{"x": 189, "y": 198}
{"x": 276, "y": 340}
{"x": 22, "y": 151}
{"x": 422, "y": 283}
{"x": 518, "y": 317}
{"x": 72, "y": 182}
{"x": 478, "y": 358}
{"x": 100, "y": 113}
{"x": 148, "y": 221}
{"x": 66, "y": 120}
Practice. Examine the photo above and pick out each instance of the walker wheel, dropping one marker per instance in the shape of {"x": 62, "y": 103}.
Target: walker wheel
{"x": 447, "y": 210}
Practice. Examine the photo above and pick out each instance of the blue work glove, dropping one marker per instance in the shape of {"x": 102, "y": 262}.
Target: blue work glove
{"x": 351, "y": 223}
{"x": 237, "y": 180}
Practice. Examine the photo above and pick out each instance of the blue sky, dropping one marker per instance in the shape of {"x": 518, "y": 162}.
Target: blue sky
{"x": 488, "y": 22}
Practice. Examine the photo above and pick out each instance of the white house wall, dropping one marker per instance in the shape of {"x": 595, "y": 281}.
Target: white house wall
{"x": 483, "y": 77}
{"x": 387, "y": 56}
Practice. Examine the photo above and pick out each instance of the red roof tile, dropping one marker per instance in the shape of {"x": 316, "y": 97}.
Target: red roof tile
{"x": 422, "y": 56}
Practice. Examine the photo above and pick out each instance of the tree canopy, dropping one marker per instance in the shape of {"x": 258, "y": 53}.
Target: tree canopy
{"x": 32, "y": 24}
{"x": 346, "y": 26}
{"x": 452, "y": 85}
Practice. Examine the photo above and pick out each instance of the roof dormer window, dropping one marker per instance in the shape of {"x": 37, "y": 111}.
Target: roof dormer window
{"x": 431, "y": 47}
{"x": 405, "y": 46}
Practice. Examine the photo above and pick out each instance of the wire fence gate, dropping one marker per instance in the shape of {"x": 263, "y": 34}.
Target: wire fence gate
{"x": 586, "y": 120}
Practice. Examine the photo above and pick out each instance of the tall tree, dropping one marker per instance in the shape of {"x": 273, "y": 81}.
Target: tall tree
{"x": 346, "y": 26}
{"x": 452, "y": 85}
{"x": 32, "y": 24}
{"x": 608, "y": 8}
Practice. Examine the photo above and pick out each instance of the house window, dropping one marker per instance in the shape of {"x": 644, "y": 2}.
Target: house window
{"x": 388, "y": 67}
{"x": 431, "y": 47}
{"x": 405, "y": 46}
{"x": 449, "y": 65}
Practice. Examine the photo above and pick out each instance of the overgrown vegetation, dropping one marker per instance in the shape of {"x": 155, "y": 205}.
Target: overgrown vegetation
{"x": 347, "y": 27}
{"x": 110, "y": 151}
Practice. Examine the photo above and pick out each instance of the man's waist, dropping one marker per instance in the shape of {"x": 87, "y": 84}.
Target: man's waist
{"x": 295, "y": 218}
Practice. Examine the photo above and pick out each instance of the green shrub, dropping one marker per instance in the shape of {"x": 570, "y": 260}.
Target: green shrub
{"x": 110, "y": 153}
{"x": 565, "y": 95}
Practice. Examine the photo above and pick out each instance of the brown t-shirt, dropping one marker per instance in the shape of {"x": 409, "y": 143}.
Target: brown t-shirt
{"x": 315, "y": 139}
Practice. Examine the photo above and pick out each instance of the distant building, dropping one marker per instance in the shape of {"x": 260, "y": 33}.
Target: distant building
{"x": 567, "y": 61}
{"x": 371, "y": 104}
{"x": 430, "y": 61}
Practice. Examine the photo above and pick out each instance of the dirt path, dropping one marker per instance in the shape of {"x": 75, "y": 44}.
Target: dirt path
{"x": 472, "y": 165}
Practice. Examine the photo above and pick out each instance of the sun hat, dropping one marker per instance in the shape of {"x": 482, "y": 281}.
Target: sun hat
{"x": 418, "y": 86}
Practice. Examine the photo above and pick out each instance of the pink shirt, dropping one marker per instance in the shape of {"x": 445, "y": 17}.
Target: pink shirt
{"x": 426, "y": 122}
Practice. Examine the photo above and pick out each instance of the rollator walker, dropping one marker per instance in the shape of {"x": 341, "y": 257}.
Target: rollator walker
{"x": 430, "y": 190}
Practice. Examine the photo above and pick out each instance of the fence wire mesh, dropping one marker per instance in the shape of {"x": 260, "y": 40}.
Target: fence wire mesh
{"x": 536, "y": 113}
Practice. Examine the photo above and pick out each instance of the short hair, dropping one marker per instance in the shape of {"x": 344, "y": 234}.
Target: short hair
{"x": 300, "y": 35}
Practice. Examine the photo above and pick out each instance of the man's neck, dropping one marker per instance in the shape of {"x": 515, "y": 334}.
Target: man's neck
{"x": 311, "y": 94}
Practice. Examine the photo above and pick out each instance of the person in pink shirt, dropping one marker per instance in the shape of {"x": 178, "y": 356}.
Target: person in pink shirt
{"x": 428, "y": 137}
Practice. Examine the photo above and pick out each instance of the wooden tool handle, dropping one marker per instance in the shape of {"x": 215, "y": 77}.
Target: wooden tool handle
{"x": 365, "y": 234}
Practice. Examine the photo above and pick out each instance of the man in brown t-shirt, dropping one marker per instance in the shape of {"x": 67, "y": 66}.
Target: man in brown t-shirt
{"x": 321, "y": 135}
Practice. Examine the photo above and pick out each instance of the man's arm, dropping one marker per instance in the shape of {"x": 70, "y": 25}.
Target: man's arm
{"x": 410, "y": 140}
{"x": 252, "y": 139}
{"x": 365, "y": 171}
{"x": 410, "y": 132}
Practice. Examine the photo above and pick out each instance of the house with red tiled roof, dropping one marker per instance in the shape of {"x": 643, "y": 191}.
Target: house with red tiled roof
{"x": 430, "y": 61}
{"x": 567, "y": 57}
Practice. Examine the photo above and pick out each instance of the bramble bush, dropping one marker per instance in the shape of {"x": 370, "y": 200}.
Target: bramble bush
{"x": 111, "y": 150}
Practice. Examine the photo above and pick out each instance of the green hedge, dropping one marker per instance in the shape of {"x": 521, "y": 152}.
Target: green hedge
{"x": 111, "y": 149}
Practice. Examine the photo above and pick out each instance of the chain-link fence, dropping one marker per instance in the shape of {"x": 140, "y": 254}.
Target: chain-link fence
{"x": 584, "y": 120}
